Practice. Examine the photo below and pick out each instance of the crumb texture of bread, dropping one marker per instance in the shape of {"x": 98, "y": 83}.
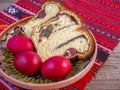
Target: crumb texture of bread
{"x": 58, "y": 43}
{"x": 59, "y": 35}
{"x": 50, "y": 10}
{"x": 59, "y": 32}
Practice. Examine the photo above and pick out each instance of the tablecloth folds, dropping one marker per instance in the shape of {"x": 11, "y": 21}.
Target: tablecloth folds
{"x": 102, "y": 17}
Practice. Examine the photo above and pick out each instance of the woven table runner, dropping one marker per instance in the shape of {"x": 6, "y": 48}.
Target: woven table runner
{"x": 102, "y": 17}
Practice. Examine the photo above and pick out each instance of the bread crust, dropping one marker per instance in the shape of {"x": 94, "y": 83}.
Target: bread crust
{"x": 81, "y": 29}
{"x": 43, "y": 6}
{"x": 36, "y": 15}
{"x": 47, "y": 2}
{"x": 91, "y": 48}
{"x": 76, "y": 16}
{"x": 62, "y": 8}
{"x": 79, "y": 20}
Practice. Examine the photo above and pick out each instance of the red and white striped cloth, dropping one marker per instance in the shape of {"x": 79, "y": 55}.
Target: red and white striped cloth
{"x": 102, "y": 17}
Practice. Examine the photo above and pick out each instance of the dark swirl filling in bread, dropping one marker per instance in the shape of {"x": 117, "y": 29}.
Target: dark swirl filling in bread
{"x": 60, "y": 22}
{"x": 48, "y": 10}
{"x": 60, "y": 34}
{"x": 67, "y": 42}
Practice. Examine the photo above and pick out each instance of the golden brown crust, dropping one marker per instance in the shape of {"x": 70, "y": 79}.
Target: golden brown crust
{"x": 91, "y": 48}
{"x": 91, "y": 45}
{"x": 80, "y": 29}
{"x": 42, "y": 8}
{"x": 64, "y": 9}
{"x": 76, "y": 16}
{"x": 79, "y": 20}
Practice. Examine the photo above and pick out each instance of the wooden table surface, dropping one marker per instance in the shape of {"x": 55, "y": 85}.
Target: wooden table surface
{"x": 108, "y": 77}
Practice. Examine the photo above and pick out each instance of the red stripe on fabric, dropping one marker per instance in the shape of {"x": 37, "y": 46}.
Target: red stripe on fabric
{"x": 3, "y": 87}
{"x": 39, "y": 1}
{"x": 108, "y": 32}
{"x": 23, "y": 10}
{"x": 94, "y": 69}
{"x": 104, "y": 36}
{"x": 100, "y": 62}
{"x": 81, "y": 84}
{"x": 102, "y": 23}
{"x": 2, "y": 26}
{"x": 92, "y": 6}
{"x": 102, "y": 39}
{"x": 6, "y": 19}
{"x": 27, "y": 5}
{"x": 89, "y": 9}
{"x": 96, "y": 64}
{"x": 88, "y": 17}
{"x": 110, "y": 3}
{"x": 104, "y": 42}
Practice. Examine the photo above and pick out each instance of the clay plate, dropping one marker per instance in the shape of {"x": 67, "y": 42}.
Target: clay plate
{"x": 46, "y": 86}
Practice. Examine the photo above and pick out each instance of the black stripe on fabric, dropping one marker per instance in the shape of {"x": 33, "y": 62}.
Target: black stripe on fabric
{"x": 74, "y": 88}
{"x": 93, "y": 72}
{"x": 102, "y": 55}
{"x": 104, "y": 31}
{"x": 104, "y": 6}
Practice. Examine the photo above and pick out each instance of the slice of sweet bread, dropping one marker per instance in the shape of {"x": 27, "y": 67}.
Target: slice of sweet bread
{"x": 48, "y": 10}
{"x": 67, "y": 42}
{"x": 62, "y": 35}
{"x": 56, "y": 30}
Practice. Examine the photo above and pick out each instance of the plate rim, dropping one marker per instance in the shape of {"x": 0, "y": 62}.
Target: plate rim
{"x": 53, "y": 85}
